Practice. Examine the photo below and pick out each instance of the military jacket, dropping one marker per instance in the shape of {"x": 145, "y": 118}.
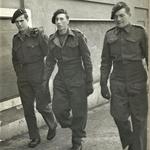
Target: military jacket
{"x": 123, "y": 45}
{"x": 71, "y": 57}
{"x": 28, "y": 51}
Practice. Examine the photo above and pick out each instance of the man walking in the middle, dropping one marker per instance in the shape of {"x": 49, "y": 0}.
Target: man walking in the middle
{"x": 73, "y": 82}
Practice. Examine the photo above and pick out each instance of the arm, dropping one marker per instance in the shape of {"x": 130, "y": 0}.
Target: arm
{"x": 44, "y": 43}
{"x": 50, "y": 63}
{"x": 42, "y": 39}
{"x": 106, "y": 65}
{"x": 144, "y": 46}
{"x": 85, "y": 54}
{"x": 86, "y": 58}
{"x": 14, "y": 58}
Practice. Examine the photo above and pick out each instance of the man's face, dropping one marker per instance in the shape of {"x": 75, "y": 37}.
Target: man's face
{"x": 61, "y": 22}
{"x": 122, "y": 18}
{"x": 21, "y": 23}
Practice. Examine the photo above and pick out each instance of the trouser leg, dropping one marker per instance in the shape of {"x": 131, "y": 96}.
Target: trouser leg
{"x": 139, "y": 134}
{"x": 61, "y": 105}
{"x": 27, "y": 98}
{"x": 120, "y": 111}
{"x": 78, "y": 129}
{"x": 125, "y": 132}
{"x": 43, "y": 104}
{"x": 73, "y": 99}
{"x": 139, "y": 109}
{"x": 79, "y": 113}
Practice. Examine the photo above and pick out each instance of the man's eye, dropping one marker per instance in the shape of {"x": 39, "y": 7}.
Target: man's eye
{"x": 121, "y": 15}
{"x": 19, "y": 21}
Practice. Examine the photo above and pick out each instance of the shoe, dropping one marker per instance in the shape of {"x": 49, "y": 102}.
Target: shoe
{"x": 126, "y": 148}
{"x": 76, "y": 147}
{"x": 130, "y": 147}
{"x": 34, "y": 142}
{"x": 51, "y": 133}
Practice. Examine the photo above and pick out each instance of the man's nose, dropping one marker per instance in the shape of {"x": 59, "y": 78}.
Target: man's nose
{"x": 58, "y": 21}
{"x": 118, "y": 18}
{"x": 19, "y": 23}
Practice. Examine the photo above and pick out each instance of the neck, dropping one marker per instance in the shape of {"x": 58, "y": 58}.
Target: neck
{"x": 24, "y": 31}
{"x": 124, "y": 26}
{"x": 64, "y": 31}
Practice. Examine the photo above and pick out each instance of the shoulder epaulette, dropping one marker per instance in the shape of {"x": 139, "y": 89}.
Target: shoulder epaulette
{"x": 111, "y": 29}
{"x": 51, "y": 36}
{"x": 138, "y": 26}
{"x": 76, "y": 30}
{"x": 79, "y": 32}
{"x": 15, "y": 35}
{"x": 36, "y": 31}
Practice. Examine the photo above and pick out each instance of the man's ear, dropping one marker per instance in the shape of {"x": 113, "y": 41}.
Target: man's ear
{"x": 28, "y": 19}
{"x": 129, "y": 13}
{"x": 68, "y": 21}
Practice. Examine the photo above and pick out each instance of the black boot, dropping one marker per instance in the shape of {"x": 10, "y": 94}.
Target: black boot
{"x": 51, "y": 133}
{"x": 34, "y": 142}
{"x": 76, "y": 147}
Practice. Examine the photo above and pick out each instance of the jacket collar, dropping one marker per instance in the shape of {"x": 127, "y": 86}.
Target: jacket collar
{"x": 27, "y": 33}
{"x": 56, "y": 34}
{"x": 127, "y": 29}
{"x": 55, "y": 37}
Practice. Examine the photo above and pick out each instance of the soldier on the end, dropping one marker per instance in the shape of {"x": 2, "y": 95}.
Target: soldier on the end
{"x": 125, "y": 46}
{"x": 30, "y": 46}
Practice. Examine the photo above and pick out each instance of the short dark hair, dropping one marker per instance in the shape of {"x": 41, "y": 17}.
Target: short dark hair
{"x": 119, "y": 6}
{"x": 59, "y": 11}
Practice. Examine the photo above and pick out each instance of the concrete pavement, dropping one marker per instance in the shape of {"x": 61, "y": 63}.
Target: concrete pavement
{"x": 102, "y": 134}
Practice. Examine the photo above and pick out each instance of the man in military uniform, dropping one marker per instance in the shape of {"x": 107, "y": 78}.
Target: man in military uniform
{"x": 30, "y": 46}
{"x": 125, "y": 48}
{"x": 73, "y": 82}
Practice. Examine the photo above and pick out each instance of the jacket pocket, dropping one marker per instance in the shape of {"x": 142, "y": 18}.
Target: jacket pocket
{"x": 137, "y": 88}
{"x": 72, "y": 42}
{"x": 33, "y": 49}
{"x": 132, "y": 46}
{"x": 112, "y": 40}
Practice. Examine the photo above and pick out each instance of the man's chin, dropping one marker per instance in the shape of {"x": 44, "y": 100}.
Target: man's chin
{"x": 20, "y": 30}
{"x": 120, "y": 25}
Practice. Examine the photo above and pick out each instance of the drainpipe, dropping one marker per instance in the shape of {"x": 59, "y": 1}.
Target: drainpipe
{"x": 22, "y": 4}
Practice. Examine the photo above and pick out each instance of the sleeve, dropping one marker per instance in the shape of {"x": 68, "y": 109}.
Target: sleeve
{"x": 106, "y": 63}
{"x": 50, "y": 63}
{"x": 144, "y": 46}
{"x": 86, "y": 58}
{"x": 44, "y": 43}
{"x": 14, "y": 57}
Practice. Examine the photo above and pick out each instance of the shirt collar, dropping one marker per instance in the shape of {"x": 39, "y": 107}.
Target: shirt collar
{"x": 27, "y": 33}
{"x": 55, "y": 35}
{"x": 127, "y": 29}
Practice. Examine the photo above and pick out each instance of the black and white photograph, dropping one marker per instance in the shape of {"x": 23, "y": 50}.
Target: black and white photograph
{"x": 74, "y": 75}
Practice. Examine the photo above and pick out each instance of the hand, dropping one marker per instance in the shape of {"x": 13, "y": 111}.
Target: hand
{"x": 89, "y": 87}
{"x": 105, "y": 92}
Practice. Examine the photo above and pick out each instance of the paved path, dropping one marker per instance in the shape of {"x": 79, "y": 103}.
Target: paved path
{"x": 101, "y": 135}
